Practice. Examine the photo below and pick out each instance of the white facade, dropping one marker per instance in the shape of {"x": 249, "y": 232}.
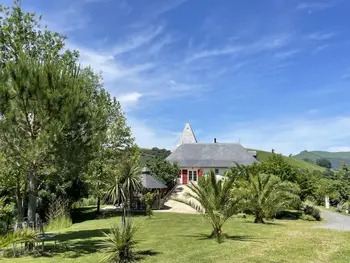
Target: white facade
{"x": 192, "y": 174}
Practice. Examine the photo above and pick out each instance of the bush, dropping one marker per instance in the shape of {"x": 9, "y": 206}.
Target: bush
{"x": 27, "y": 235}
{"x": 313, "y": 211}
{"x": 58, "y": 215}
{"x": 120, "y": 244}
{"x": 307, "y": 217}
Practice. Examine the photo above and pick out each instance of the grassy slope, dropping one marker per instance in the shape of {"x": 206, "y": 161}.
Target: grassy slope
{"x": 336, "y": 158}
{"x": 263, "y": 156}
{"x": 171, "y": 238}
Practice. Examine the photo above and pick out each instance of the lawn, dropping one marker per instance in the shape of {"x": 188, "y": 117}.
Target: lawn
{"x": 170, "y": 237}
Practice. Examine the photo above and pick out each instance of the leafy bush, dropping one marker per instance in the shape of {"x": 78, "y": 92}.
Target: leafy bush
{"x": 148, "y": 199}
{"x": 313, "y": 211}
{"x": 120, "y": 244}
{"x": 307, "y": 217}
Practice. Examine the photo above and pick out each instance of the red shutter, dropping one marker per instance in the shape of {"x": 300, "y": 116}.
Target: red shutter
{"x": 184, "y": 176}
{"x": 199, "y": 172}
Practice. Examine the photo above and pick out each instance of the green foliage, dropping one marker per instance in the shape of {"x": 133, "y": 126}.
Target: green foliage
{"x": 124, "y": 183}
{"x": 120, "y": 244}
{"x": 265, "y": 194}
{"x": 313, "y": 211}
{"x": 58, "y": 215}
{"x": 163, "y": 170}
{"x": 25, "y": 235}
{"x": 61, "y": 222}
{"x": 154, "y": 153}
{"x": 323, "y": 162}
{"x": 148, "y": 199}
{"x": 307, "y": 217}
{"x": 308, "y": 160}
{"x": 217, "y": 200}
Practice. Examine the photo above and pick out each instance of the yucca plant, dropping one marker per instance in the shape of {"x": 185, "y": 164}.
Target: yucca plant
{"x": 120, "y": 244}
{"x": 216, "y": 199}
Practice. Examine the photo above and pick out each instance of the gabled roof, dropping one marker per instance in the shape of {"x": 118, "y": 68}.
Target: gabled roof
{"x": 211, "y": 155}
{"x": 187, "y": 136}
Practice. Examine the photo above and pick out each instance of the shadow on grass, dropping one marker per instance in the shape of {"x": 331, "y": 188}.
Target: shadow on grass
{"x": 82, "y": 234}
{"x": 226, "y": 237}
{"x": 89, "y": 213}
{"x": 269, "y": 223}
{"x": 142, "y": 254}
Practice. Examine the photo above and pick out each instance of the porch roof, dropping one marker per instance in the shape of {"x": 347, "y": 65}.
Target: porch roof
{"x": 149, "y": 182}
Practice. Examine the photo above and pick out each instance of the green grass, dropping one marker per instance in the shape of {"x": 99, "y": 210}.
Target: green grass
{"x": 263, "y": 156}
{"x": 59, "y": 223}
{"x": 169, "y": 237}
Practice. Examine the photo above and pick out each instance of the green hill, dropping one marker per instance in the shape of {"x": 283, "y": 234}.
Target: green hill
{"x": 336, "y": 158}
{"x": 263, "y": 156}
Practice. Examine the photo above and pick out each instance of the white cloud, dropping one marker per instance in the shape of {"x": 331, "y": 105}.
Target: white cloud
{"x": 314, "y": 6}
{"x": 292, "y": 135}
{"x": 287, "y": 54}
{"x": 137, "y": 40}
{"x": 148, "y": 136}
{"x": 265, "y": 44}
{"x": 128, "y": 100}
{"x": 339, "y": 149}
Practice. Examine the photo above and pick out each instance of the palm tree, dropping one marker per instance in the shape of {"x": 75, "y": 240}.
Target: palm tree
{"x": 266, "y": 194}
{"x": 216, "y": 199}
{"x": 126, "y": 181}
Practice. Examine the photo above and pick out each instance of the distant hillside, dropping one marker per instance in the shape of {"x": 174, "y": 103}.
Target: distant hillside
{"x": 263, "y": 156}
{"x": 336, "y": 158}
{"x": 149, "y": 154}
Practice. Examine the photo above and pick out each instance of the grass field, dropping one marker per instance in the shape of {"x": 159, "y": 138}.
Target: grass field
{"x": 170, "y": 237}
{"x": 263, "y": 156}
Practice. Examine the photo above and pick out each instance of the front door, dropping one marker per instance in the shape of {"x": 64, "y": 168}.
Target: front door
{"x": 184, "y": 176}
{"x": 192, "y": 176}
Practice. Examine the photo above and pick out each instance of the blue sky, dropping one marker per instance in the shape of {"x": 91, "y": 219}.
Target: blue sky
{"x": 270, "y": 74}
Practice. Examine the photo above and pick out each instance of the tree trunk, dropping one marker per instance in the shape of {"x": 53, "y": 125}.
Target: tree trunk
{"x": 33, "y": 189}
{"x": 259, "y": 218}
{"x": 19, "y": 200}
{"x": 216, "y": 234}
{"x": 124, "y": 216}
{"x": 98, "y": 205}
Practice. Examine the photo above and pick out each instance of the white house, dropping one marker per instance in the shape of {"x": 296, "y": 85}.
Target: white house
{"x": 196, "y": 159}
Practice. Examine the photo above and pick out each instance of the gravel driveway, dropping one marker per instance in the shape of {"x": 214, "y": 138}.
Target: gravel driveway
{"x": 334, "y": 221}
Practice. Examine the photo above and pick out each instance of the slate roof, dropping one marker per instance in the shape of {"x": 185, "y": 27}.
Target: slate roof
{"x": 149, "y": 182}
{"x": 211, "y": 155}
{"x": 187, "y": 135}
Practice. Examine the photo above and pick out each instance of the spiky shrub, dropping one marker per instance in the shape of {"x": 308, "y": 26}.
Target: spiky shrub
{"x": 216, "y": 199}
{"x": 265, "y": 195}
{"x": 120, "y": 244}
{"x": 58, "y": 215}
{"x": 24, "y": 235}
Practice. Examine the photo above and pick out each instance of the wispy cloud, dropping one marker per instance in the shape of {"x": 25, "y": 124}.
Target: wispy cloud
{"x": 287, "y": 54}
{"x": 319, "y": 36}
{"x": 137, "y": 40}
{"x": 346, "y": 74}
{"x": 320, "y": 48}
{"x": 128, "y": 100}
{"x": 265, "y": 44}
{"x": 314, "y": 6}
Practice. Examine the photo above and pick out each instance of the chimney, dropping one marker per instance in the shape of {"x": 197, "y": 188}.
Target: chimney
{"x": 214, "y": 140}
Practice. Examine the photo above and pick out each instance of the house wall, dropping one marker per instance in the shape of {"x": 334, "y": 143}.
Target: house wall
{"x": 205, "y": 171}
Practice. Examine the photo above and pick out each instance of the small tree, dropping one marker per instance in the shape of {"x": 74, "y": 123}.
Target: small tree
{"x": 163, "y": 170}
{"x": 323, "y": 162}
{"x": 216, "y": 199}
{"x": 148, "y": 199}
{"x": 265, "y": 194}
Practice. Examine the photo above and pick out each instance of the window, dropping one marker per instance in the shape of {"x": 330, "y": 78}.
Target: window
{"x": 194, "y": 175}
{"x": 217, "y": 172}
{"x": 190, "y": 175}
